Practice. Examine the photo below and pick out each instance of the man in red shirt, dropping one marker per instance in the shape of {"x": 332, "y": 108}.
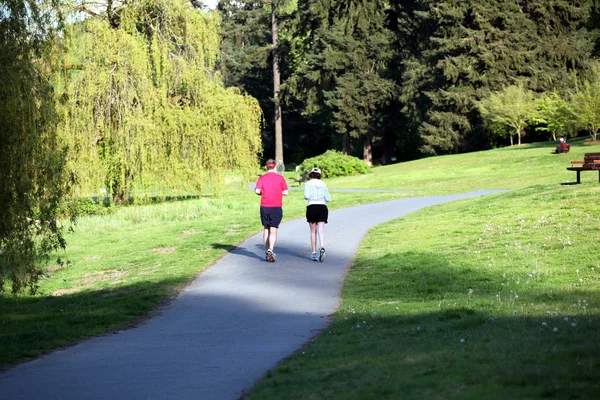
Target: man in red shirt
{"x": 271, "y": 187}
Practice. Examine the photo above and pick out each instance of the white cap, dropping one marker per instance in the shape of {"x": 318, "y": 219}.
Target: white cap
{"x": 317, "y": 170}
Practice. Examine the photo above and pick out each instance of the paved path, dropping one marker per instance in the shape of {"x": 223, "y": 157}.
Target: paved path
{"x": 232, "y": 324}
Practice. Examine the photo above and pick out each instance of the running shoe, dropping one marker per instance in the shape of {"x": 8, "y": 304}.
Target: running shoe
{"x": 322, "y": 254}
{"x": 314, "y": 256}
{"x": 270, "y": 256}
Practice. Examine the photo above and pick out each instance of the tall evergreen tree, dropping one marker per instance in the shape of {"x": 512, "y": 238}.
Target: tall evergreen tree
{"x": 344, "y": 48}
{"x": 476, "y": 47}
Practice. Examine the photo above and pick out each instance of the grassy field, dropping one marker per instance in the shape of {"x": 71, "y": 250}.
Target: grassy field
{"x": 494, "y": 297}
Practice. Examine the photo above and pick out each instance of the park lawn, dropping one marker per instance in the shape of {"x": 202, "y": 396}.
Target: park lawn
{"x": 122, "y": 266}
{"x": 505, "y": 168}
{"x": 495, "y": 297}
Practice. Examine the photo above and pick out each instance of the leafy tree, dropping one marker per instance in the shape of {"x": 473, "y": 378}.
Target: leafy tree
{"x": 555, "y": 115}
{"x": 586, "y": 103}
{"x": 514, "y": 106}
{"x": 144, "y": 113}
{"x": 33, "y": 178}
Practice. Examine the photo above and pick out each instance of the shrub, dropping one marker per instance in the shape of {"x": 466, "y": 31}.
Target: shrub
{"x": 335, "y": 163}
{"x": 81, "y": 206}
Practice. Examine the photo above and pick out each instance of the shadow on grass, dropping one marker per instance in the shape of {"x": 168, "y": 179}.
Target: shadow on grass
{"x": 569, "y": 183}
{"x": 31, "y": 326}
{"x": 454, "y": 353}
{"x": 408, "y": 328}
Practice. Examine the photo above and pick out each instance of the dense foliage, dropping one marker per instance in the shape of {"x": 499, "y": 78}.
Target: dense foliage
{"x": 118, "y": 99}
{"x": 144, "y": 114}
{"x": 335, "y": 163}
{"x": 407, "y": 77}
{"x": 33, "y": 180}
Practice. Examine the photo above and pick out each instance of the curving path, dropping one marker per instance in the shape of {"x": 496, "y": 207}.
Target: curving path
{"x": 232, "y": 324}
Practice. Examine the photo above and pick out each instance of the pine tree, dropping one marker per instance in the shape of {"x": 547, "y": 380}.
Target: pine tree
{"x": 344, "y": 48}
{"x": 476, "y": 47}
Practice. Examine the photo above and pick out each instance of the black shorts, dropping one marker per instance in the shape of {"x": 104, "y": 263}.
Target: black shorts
{"x": 270, "y": 217}
{"x": 317, "y": 213}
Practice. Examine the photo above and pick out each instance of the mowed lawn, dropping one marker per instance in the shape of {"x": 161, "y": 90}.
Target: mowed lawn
{"x": 494, "y": 297}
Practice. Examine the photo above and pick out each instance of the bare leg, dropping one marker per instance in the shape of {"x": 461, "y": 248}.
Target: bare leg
{"x": 313, "y": 236}
{"x": 266, "y": 238}
{"x": 321, "y": 228}
{"x": 272, "y": 238}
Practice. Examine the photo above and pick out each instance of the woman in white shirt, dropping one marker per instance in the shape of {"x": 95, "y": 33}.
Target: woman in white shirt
{"x": 317, "y": 194}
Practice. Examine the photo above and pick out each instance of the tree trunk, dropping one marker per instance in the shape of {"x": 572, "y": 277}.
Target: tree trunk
{"x": 594, "y": 134}
{"x": 347, "y": 144}
{"x": 368, "y": 150}
{"x": 512, "y": 142}
{"x": 276, "y": 89}
{"x": 519, "y": 132}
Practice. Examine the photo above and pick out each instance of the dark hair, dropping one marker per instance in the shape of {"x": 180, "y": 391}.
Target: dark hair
{"x": 314, "y": 175}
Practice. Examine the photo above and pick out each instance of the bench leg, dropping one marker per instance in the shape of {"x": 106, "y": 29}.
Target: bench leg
{"x": 578, "y": 176}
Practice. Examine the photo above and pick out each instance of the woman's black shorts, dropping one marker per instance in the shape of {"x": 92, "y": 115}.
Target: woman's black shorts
{"x": 317, "y": 213}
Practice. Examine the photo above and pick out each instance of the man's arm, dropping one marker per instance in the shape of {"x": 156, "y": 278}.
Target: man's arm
{"x": 285, "y": 192}
{"x": 258, "y": 187}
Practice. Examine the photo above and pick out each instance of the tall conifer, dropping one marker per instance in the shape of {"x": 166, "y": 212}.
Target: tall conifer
{"x": 475, "y": 47}
{"x": 344, "y": 49}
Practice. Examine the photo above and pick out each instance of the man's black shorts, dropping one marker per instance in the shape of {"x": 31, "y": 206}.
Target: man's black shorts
{"x": 270, "y": 217}
{"x": 317, "y": 213}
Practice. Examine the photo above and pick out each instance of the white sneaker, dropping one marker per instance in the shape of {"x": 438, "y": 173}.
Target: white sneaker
{"x": 314, "y": 256}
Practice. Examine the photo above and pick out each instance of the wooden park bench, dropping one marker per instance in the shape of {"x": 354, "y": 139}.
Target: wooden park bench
{"x": 590, "y": 162}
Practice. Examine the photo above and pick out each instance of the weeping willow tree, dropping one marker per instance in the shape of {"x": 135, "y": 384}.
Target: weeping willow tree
{"x": 33, "y": 180}
{"x": 143, "y": 111}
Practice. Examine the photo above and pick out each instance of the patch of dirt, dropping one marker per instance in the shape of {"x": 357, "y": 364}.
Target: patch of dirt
{"x": 62, "y": 292}
{"x": 164, "y": 250}
{"x": 91, "y": 258}
{"x": 103, "y": 276}
{"x": 54, "y": 268}
{"x": 149, "y": 272}
{"x": 590, "y": 142}
{"x": 190, "y": 232}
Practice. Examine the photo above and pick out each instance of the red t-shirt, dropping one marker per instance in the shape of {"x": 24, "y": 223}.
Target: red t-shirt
{"x": 271, "y": 187}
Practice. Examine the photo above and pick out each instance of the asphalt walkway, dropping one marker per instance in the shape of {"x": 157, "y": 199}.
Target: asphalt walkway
{"x": 236, "y": 321}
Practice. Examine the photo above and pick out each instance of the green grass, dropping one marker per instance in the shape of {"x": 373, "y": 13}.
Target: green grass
{"x": 506, "y": 168}
{"x": 499, "y": 272}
